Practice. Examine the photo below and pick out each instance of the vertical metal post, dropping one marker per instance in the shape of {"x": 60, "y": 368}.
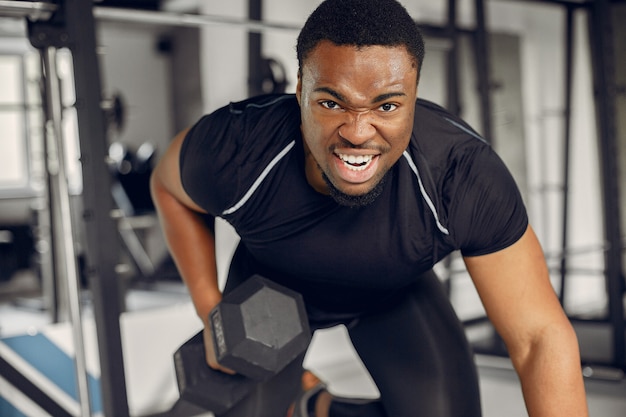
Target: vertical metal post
{"x": 50, "y": 270}
{"x": 101, "y": 229}
{"x": 453, "y": 100}
{"x": 603, "y": 65}
{"x": 482, "y": 68}
{"x": 567, "y": 116}
{"x": 64, "y": 235}
{"x": 255, "y": 45}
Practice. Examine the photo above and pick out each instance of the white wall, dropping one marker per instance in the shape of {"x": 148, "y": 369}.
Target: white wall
{"x": 542, "y": 30}
{"x": 132, "y": 66}
{"x": 224, "y": 55}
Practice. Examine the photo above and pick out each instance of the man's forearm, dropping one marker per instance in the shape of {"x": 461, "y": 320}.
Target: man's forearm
{"x": 192, "y": 246}
{"x": 551, "y": 377}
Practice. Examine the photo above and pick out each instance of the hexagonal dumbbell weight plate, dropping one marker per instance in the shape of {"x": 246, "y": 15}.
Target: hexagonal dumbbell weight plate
{"x": 259, "y": 328}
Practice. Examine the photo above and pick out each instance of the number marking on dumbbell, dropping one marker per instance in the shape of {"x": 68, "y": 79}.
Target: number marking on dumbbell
{"x": 218, "y": 332}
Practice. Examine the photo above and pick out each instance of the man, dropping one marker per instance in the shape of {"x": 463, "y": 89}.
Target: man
{"x": 349, "y": 193}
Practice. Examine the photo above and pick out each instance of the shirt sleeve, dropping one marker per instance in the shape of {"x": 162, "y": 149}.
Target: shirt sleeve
{"x": 225, "y": 151}
{"x": 486, "y": 207}
{"x": 208, "y": 161}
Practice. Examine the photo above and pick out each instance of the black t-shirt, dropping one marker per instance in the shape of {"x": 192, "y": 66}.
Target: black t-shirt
{"x": 449, "y": 191}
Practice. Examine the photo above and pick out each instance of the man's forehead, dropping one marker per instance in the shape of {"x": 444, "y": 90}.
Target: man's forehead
{"x": 322, "y": 53}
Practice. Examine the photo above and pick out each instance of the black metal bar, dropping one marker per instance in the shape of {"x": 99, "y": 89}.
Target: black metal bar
{"x": 452, "y": 99}
{"x": 255, "y": 44}
{"x": 51, "y": 216}
{"x": 567, "y": 116}
{"x": 605, "y": 89}
{"x": 101, "y": 229}
{"x": 481, "y": 43}
{"x": 565, "y": 3}
{"x": 453, "y": 95}
{"x": 114, "y": 14}
{"x": 32, "y": 391}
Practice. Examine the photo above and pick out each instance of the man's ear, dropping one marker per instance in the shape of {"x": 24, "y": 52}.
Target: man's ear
{"x": 299, "y": 87}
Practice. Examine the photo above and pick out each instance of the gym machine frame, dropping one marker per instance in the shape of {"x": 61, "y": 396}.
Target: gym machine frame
{"x": 603, "y": 60}
{"x": 71, "y": 24}
{"x": 605, "y": 89}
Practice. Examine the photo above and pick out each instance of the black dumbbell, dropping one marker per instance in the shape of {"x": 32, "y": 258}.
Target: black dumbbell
{"x": 258, "y": 329}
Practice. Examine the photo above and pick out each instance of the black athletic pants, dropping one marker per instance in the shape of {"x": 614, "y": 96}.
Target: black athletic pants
{"x": 416, "y": 353}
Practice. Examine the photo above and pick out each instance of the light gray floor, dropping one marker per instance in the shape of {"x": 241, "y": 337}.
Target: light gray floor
{"x": 500, "y": 389}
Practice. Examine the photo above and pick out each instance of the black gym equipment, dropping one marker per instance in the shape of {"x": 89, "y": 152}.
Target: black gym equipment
{"x": 131, "y": 170}
{"x": 17, "y": 248}
{"x": 258, "y": 330}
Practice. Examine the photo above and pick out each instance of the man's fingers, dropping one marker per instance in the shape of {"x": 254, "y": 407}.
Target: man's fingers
{"x": 211, "y": 358}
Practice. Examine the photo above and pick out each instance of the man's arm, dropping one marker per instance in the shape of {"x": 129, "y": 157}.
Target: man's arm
{"x": 515, "y": 289}
{"x": 190, "y": 241}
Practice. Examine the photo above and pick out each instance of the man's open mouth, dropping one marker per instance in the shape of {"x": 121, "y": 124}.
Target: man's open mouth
{"x": 356, "y": 162}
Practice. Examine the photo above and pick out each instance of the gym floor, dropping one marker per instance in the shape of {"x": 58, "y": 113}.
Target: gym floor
{"x": 330, "y": 355}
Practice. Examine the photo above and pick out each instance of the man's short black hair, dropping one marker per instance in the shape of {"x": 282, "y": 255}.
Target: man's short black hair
{"x": 361, "y": 23}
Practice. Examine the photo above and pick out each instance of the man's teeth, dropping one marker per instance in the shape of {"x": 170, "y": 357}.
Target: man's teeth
{"x": 356, "y": 163}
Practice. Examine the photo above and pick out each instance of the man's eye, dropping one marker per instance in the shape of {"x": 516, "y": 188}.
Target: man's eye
{"x": 387, "y": 107}
{"x": 329, "y": 104}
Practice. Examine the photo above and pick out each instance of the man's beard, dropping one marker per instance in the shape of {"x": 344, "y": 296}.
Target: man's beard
{"x": 356, "y": 201}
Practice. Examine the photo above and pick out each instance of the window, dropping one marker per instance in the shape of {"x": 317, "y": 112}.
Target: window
{"x": 14, "y": 172}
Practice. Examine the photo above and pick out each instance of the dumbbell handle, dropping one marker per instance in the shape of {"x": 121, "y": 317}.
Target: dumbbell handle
{"x": 209, "y": 347}
{"x": 259, "y": 329}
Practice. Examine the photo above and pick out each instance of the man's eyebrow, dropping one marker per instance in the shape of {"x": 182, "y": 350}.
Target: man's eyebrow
{"x": 376, "y": 99}
{"x": 331, "y": 92}
{"x": 387, "y": 96}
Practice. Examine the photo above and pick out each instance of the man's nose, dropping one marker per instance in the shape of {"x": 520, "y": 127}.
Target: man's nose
{"x": 357, "y": 128}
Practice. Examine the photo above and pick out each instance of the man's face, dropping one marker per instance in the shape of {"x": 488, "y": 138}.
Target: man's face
{"x": 357, "y": 108}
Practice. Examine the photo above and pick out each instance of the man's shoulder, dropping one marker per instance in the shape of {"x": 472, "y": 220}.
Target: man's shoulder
{"x": 266, "y": 120}
{"x": 265, "y": 103}
{"x": 435, "y": 119}
{"x": 231, "y": 147}
{"x": 443, "y": 144}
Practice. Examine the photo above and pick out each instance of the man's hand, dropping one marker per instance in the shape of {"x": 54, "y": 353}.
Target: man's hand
{"x": 209, "y": 348}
